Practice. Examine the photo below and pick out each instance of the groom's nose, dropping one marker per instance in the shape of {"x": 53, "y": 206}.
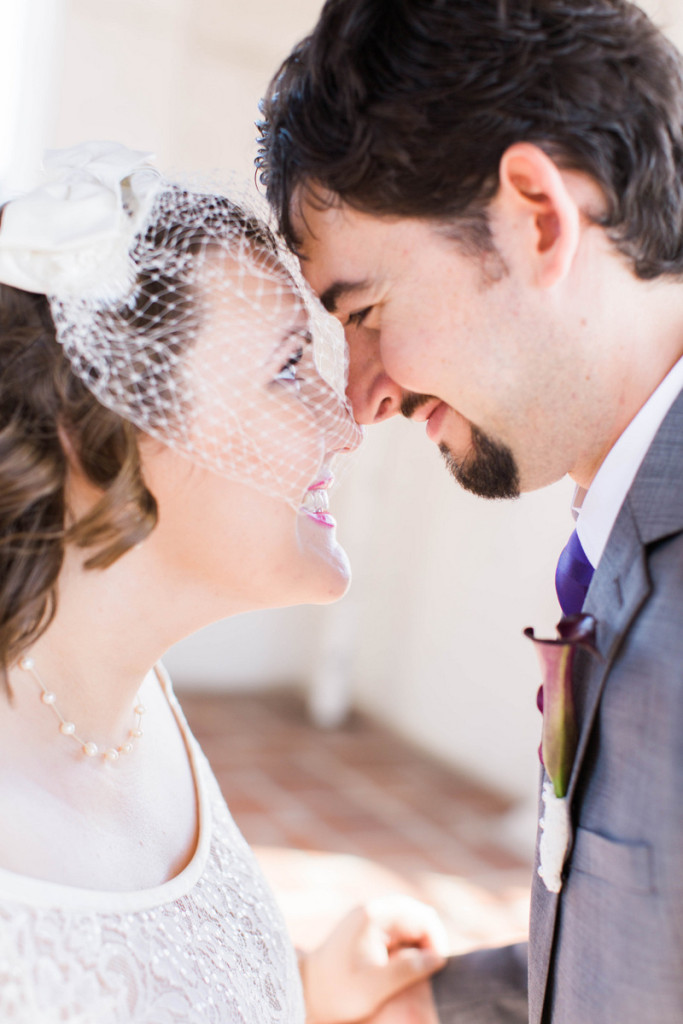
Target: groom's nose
{"x": 373, "y": 394}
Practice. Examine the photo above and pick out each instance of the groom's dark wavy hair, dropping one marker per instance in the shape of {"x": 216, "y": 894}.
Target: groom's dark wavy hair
{"x": 405, "y": 107}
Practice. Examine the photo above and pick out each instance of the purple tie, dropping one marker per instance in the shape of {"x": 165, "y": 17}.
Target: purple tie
{"x": 573, "y": 576}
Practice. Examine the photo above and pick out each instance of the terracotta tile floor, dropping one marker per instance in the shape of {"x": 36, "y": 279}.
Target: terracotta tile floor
{"x": 337, "y": 817}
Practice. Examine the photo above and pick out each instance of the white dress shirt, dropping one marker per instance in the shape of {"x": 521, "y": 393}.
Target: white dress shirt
{"x": 597, "y": 508}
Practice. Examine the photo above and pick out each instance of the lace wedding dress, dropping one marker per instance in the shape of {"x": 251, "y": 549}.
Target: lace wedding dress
{"x": 207, "y": 947}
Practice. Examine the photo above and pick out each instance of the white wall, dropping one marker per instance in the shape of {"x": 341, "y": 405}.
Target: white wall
{"x": 668, "y": 14}
{"x": 449, "y": 584}
{"x": 429, "y": 639}
{"x": 180, "y": 77}
{"x": 31, "y": 43}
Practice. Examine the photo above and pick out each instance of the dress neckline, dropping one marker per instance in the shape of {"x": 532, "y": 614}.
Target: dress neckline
{"x": 40, "y": 892}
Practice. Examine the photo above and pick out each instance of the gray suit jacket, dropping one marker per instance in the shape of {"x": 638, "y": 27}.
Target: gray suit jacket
{"x": 609, "y": 948}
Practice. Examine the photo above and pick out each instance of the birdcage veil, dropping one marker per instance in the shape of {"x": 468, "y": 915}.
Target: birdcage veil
{"x": 181, "y": 310}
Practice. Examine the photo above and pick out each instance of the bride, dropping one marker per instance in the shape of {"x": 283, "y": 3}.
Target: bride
{"x": 172, "y": 407}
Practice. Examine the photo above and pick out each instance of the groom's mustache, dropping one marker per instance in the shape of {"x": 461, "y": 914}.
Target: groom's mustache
{"x": 411, "y": 402}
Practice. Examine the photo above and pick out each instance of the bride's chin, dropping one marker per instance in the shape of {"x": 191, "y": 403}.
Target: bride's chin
{"x": 339, "y": 578}
{"x": 329, "y": 567}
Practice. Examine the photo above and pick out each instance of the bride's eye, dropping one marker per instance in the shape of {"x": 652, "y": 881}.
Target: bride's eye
{"x": 287, "y": 372}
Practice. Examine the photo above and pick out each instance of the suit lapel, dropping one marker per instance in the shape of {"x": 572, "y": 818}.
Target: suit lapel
{"x": 652, "y": 510}
{"x": 617, "y": 593}
{"x": 656, "y": 497}
{"x": 620, "y": 585}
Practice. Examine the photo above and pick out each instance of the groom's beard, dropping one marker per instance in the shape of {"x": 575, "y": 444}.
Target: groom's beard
{"x": 489, "y": 468}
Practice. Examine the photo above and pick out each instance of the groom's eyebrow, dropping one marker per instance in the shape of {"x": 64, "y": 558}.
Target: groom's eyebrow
{"x": 331, "y": 296}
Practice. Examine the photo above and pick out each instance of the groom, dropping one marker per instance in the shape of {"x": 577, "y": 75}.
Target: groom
{"x": 489, "y": 196}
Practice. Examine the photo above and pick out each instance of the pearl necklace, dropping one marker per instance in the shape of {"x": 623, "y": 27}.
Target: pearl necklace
{"x": 67, "y": 728}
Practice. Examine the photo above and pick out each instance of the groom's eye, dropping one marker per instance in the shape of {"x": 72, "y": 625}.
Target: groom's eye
{"x": 356, "y": 319}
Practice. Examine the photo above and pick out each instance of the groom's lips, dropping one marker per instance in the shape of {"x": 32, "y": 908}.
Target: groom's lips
{"x": 428, "y": 410}
{"x": 435, "y": 422}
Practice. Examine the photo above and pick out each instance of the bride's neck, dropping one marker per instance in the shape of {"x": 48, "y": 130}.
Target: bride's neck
{"x": 111, "y": 626}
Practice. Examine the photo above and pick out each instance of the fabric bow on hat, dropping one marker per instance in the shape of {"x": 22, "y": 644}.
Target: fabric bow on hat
{"x": 71, "y": 235}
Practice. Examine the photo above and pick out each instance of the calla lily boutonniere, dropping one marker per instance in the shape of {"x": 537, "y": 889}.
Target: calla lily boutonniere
{"x": 560, "y": 737}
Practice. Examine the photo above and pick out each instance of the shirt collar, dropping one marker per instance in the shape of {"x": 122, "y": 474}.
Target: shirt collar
{"x": 597, "y": 508}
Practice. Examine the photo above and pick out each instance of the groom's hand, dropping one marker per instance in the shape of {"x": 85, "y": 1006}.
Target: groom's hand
{"x": 376, "y": 951}
{"x": 415, "y": 1005}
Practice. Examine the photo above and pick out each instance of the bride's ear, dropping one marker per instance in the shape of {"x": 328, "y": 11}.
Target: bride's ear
{"x": 80, "y": 493}
{"x": 69, "y": 448}
{"x": 534, "y": 195}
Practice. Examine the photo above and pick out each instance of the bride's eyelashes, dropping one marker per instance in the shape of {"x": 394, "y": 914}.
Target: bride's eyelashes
{"x": 288, "y": 356}
{"x": 287, "y": 372}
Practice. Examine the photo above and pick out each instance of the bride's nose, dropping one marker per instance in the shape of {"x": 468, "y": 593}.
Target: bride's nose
{"x": 342, "y": 433}
{"x": 330, "y": 406}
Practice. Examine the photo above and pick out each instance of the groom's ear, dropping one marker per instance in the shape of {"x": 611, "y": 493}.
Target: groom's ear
{"x": 535, "y": 199}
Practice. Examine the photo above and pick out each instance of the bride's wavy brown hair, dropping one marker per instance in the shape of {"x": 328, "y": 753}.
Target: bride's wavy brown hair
{"x": 42, "y": 404}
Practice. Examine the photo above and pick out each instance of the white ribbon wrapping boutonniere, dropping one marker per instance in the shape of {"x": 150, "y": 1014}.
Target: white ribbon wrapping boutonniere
{"x": 560, "y": 737}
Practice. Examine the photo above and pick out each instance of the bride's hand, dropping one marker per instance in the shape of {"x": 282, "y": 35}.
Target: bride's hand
{"x": 375, "y": 952}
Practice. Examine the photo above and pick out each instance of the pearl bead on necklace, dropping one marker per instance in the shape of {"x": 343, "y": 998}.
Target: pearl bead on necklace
{"x": 89, "y": 748}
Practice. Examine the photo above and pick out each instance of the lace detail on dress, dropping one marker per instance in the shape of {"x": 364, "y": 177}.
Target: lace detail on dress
{"x": 215, "y": 954}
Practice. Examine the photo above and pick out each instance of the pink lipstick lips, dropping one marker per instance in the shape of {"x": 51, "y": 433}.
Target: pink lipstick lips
{"x": 324, "y": 518}
{"x": 316, "y": 504}
{"x": 323, "y": 484}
